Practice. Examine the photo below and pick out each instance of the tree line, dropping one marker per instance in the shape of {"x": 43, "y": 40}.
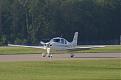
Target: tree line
{"x": 29, "y": 21}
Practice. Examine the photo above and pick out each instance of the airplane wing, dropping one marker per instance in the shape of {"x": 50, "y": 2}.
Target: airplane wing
{"x": 84, "y": 47}
{"x": 42, "y": 47}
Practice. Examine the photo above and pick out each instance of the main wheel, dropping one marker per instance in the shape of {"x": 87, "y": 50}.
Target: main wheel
{"x": 43, "y": 55}
{"x": 72, "y": 55}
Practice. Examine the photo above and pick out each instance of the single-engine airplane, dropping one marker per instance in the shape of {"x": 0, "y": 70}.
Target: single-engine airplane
{"x": 60, "y": 44}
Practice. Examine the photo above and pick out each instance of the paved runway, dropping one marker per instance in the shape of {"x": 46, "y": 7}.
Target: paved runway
{"x": 78, "y": 56}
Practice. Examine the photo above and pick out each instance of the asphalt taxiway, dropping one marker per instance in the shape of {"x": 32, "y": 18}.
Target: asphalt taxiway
{"x": 78, "y": 56}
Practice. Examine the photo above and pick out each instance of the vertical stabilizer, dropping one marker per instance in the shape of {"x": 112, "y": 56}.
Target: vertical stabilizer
{"x": 74, "y": 42}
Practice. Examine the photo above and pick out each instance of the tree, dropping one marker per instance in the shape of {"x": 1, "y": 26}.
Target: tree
{"x": 34, "y": 20}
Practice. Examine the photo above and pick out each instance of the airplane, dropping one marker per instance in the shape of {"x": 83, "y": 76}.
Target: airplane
{"x": 59, "y": 44}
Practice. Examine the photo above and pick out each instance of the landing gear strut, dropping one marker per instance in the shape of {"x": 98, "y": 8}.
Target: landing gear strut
{"x": 50, "y": 56}
{"x": 43, "y": 55}
{"x": 48, "y": 53}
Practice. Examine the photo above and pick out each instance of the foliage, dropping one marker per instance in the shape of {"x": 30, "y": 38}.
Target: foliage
{"x": 35, "y": 20}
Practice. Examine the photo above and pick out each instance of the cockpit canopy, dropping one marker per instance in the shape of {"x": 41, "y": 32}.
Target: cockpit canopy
{"x": 59, "y": 40}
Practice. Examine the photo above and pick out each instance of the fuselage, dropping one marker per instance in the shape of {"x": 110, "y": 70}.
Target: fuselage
{"x": 59, "y": 43}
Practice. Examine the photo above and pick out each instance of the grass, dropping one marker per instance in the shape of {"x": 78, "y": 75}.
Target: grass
{"x": 23, "y": 50}
{"x": 19, "y": 50}
{"x": 107, "y": 49}
{"x": 62, "y": 70}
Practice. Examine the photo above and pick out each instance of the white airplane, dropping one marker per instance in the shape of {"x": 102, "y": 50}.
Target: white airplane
{"x": 60, "y": 44}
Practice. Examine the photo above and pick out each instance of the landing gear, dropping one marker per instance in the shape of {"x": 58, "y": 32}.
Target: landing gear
{"x": 50, "y": 56}
{"x": 48, "y": 53}
{"x": 72, "y": 55}
{"x": 43, "y": 55}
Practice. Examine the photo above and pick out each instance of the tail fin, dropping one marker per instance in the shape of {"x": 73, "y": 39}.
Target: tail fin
{"x": 74, "y": 42}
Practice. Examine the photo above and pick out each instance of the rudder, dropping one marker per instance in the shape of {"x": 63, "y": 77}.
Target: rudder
{"x": 74, "y": 42}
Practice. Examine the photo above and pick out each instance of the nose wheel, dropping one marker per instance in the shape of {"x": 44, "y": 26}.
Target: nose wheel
{"x": 50, "y": 56}
{"x": 48, "y": 53}
{"x": 44, "y": 55}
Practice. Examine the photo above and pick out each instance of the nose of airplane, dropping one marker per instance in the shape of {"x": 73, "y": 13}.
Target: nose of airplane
{"x": 49, "y": 44}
